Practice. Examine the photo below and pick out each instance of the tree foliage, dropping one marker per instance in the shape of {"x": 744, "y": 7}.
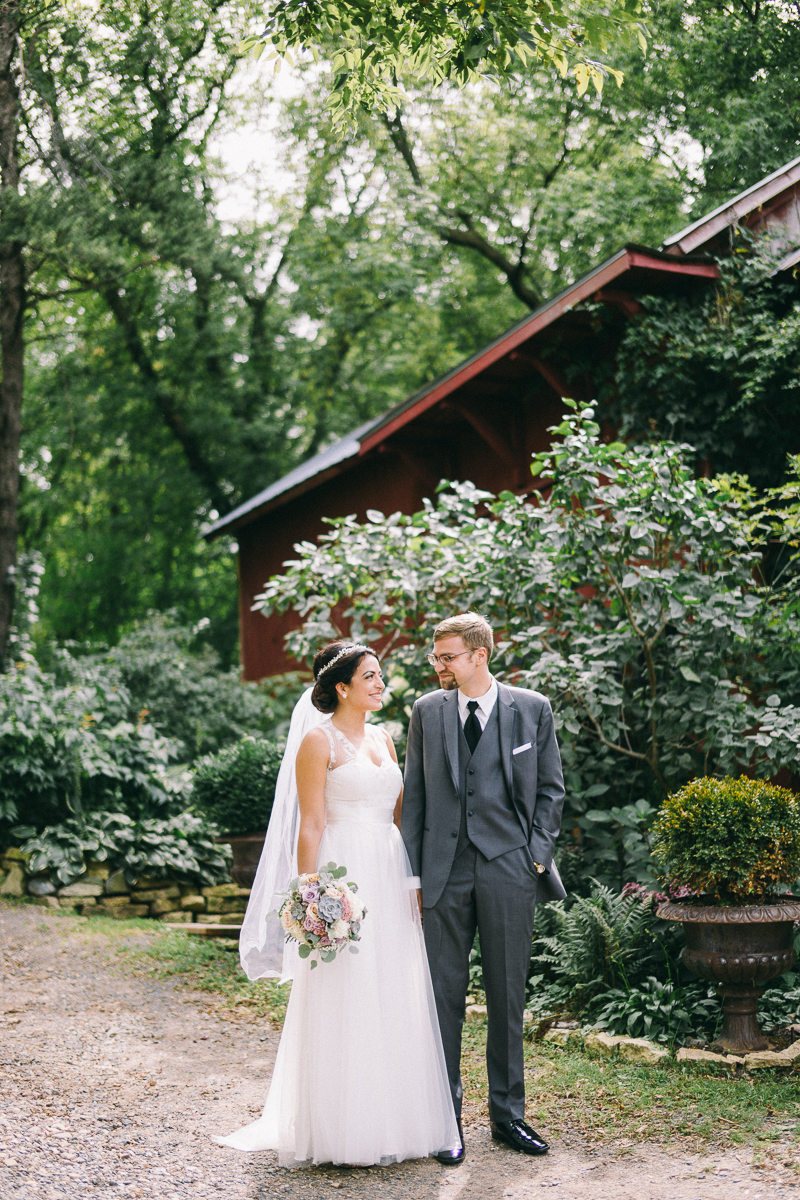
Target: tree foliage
{"x": 177, "y": 363}
{"x": 373, "y": 43}
{"x": 721, "y": 76}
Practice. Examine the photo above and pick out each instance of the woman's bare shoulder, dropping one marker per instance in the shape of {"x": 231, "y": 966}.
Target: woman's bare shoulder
{"x": 315, "y": 737}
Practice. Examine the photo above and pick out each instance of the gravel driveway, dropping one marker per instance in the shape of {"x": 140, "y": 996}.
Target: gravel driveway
{"x": 110, "y": 1085}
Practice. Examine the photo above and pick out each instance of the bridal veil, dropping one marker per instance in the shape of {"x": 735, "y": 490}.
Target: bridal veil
{"x": 263, "y": 951}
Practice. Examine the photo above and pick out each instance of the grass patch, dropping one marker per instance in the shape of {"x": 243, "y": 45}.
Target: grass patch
{"x": 612, "y": 1102}
{"x": 207, "y": 965}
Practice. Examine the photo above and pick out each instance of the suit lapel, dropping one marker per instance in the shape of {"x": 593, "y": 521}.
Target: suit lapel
{"x": 507, "y": 714}
{"x": 449, "y": 713}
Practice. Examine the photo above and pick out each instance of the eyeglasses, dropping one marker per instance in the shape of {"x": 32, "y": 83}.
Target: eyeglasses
{"x": 445, "y": 659}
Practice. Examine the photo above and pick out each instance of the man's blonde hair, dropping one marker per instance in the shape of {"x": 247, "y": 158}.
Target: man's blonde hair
{"x": 473, "y": 629}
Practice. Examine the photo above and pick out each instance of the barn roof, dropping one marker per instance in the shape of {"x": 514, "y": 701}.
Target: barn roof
{"x": 636, "y": 269}
{"x": 696, "y": 237}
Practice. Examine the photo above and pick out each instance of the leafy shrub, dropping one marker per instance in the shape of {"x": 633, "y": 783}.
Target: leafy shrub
{"x": 604, "y": 941}
{"x": 664, "y": 1011}
{"x": 235, "y": 788}
{"x": 178, "y": 683}
{"x": 615, "y": 842}
{"x": 181, "y": 847}
{"x": 732, "y": 840}
{"x": 71, "y": 748}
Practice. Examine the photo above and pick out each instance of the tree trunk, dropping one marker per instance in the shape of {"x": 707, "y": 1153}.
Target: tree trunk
{"x": 12, "y": 311}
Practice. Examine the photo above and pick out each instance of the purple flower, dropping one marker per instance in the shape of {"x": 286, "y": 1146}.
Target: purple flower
{"x": 310, "y": 894}
{"x": 330, "y": 909}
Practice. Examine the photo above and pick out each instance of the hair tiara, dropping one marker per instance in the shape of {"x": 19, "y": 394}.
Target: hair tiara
{"x": 342, "y": 653}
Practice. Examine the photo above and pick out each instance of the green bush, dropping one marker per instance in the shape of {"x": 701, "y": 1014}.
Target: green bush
{"x": 780, "y": 1004}
{"x": 70, "y": 748}
{"x": 610, "y": 962}
{"x": 181, "y": 847}
{"x": 731, "y": 840}
{"x": 235, "y": 788}
{"x": 176, "y": 680}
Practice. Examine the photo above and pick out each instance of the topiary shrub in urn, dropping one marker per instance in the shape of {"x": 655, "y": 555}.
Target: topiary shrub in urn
{"x": 729, "y": 848}
{"x": 235, "y": 789}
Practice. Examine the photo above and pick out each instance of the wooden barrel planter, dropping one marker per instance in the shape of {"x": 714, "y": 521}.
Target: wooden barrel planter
{"x": 740, "y": 949}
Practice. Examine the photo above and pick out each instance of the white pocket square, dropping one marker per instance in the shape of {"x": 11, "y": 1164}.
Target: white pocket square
{"x": 519, "y": 749}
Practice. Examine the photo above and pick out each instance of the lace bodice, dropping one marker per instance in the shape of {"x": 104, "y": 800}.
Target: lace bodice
{"x": 353, "y": 777}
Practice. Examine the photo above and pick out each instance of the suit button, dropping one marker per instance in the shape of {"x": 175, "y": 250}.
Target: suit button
{"x": 469, "y": 814}
{"x": 470, "y": 793}
{"x": 453, "y": 835}
{"x": 472, "y": 770}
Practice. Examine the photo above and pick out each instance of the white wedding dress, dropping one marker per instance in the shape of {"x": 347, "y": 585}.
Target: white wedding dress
{"x": 360, "y": 1076}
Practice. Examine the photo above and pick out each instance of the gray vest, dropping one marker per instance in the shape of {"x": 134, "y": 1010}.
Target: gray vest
{"x": 488, "y": 817}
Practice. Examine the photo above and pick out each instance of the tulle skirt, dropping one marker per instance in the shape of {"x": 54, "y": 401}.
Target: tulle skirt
{"x": 360, "y": 1075}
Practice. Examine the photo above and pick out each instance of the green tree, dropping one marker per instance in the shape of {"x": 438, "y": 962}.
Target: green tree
{"x": 73, "y": 215}
{"x": 723, "y": 74}
{"x": 175, "y": 364}
{"x": 372, "y": 44}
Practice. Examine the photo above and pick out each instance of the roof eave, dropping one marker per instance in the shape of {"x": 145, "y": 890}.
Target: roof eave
{"x": 370, "y": 435}
{"x": 705, "y": 228}
{"x": 629, "y": 256}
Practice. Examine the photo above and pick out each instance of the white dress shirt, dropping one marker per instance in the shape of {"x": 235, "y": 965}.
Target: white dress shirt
{"x": 486, "y": 703}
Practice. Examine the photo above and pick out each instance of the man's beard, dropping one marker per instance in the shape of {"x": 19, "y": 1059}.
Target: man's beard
{"x": 447, "y": 683}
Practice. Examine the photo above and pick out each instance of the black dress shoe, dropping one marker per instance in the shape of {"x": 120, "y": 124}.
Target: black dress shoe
{"x": 519, "y": 1136}
{"x": 452, "y": 1158}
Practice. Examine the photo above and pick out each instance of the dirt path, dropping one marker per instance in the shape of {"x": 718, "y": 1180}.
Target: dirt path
{"x": 110, "y": 1085}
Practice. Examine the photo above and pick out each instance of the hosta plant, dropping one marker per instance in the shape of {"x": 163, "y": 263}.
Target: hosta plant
{"x": 181, "y": 847}
{"x": 664, "y": 1011}
{"x": 732, "y": 841}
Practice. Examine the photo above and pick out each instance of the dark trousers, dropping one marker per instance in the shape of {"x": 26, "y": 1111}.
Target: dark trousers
{"x": 497, "y": 897}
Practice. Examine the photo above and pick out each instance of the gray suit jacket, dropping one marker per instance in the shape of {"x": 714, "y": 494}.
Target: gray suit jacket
{"x": 431, "y": 804}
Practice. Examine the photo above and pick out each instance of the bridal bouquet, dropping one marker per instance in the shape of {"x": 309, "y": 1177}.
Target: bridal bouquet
{"x": 322, "y": 914}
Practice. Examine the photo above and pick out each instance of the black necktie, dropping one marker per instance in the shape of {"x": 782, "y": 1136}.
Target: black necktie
{"x": 472, "y": 727}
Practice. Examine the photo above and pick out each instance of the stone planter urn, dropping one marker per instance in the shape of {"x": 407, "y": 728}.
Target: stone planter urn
{"x": 740, "y": 949}
{"x": 246, "y": 849}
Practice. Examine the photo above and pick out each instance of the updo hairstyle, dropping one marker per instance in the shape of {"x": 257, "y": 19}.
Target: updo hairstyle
{"x": 325, "y": 697}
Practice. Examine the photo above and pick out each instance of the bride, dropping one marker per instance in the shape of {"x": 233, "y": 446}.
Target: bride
{"x": 360, "y": 1075}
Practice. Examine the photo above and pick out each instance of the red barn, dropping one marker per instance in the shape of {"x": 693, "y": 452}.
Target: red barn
{"x": 484, "y": 419}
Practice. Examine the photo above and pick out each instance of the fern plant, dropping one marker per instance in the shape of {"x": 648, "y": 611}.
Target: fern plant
{"x": 604, "y": 941}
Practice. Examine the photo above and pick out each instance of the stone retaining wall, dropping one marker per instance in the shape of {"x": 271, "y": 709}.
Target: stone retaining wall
{"x": 100, "y": 893}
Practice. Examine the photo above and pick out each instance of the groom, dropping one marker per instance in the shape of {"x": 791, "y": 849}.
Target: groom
{"x": 481, "y": 813}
